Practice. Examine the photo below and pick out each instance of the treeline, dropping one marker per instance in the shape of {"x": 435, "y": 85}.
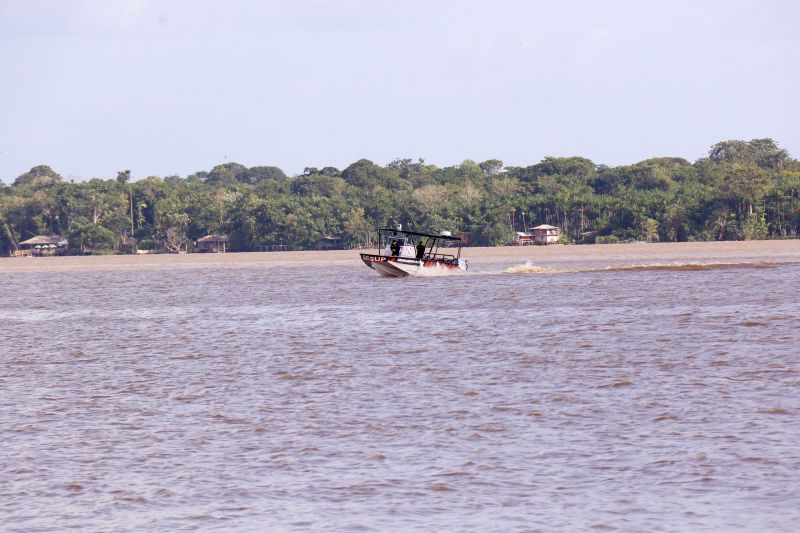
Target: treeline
{"x": 742, "y": 190}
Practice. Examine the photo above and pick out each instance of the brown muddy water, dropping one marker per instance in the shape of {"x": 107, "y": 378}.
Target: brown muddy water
{"x": 648, "y": 387}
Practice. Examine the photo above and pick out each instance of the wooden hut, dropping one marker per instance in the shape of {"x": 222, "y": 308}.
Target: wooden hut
{"x": 545, "y": 234}
{"x": 329, "y": 242}
{"x": 212, "y": 244}
{"x": 523, "y": 238}
{"x": 43, "y": 245}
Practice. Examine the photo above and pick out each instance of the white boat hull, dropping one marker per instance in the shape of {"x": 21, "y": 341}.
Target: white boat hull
{"x": 390, "y": 270}
{"x": 391, "y": 267}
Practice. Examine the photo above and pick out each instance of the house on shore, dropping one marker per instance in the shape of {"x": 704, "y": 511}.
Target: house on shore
{"x": 42, "y": 246}
{"x": 545, "y": 234}
{"x": 329, "y": 242}
{"x": 212, "y": 244}
{"x": 523, "y": 238}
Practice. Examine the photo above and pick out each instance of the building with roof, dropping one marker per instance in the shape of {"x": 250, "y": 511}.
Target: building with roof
{"x": 523, "y": 238}
{"x": 545, "y": 234}
{"x": 329, "y": 242}
{"x": 212, "y": 244}
{"x": 43, "y": 245}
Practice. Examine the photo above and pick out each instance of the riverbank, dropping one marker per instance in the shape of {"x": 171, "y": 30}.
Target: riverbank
{"x": 776, "y": 250}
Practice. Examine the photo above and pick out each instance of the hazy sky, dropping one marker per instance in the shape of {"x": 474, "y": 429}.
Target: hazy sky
{"x": 91, "y": 87}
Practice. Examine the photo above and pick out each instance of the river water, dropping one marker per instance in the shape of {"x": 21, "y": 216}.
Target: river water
{"x": 644, "y": 387}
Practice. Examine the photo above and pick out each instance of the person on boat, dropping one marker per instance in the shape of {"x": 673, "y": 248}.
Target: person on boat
{"x": 395, "y": 248}
{"x": 420, "y": 250}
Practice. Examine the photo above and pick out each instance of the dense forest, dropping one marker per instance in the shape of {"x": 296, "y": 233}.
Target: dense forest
{"x": 741, "y": 190}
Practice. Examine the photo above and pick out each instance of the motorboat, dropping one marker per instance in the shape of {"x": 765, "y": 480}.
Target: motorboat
{"x": 409, "y": 253}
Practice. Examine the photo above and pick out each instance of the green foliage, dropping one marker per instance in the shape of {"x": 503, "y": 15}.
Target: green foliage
{"x": 257, "y": 174}
{"x": 754, "y": 227}
{"x": 38, "y": 175}
{"x": 742, "y": 190}
{"x": 87, "y": 237}
{"x": 759, "y": 152}
{"x": 496, "y": 233}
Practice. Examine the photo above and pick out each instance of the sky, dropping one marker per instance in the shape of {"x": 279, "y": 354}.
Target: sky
{"x": 92, "y": 87}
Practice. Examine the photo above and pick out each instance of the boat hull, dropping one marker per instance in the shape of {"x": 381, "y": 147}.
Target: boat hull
{"x": 401, "y": 267}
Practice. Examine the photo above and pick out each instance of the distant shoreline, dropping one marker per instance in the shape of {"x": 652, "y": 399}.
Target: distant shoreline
{"x": 778, "y": 251}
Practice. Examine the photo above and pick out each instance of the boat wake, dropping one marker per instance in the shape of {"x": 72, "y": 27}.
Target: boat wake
{"x": 692, "y": 267}
{"x": 530, "y": 268}
{"x": 435, "y": 271}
